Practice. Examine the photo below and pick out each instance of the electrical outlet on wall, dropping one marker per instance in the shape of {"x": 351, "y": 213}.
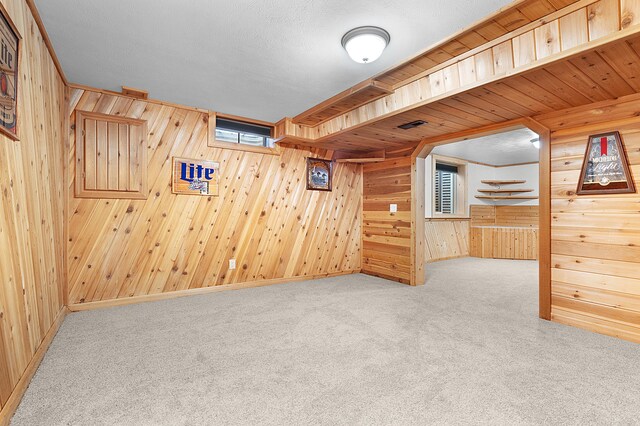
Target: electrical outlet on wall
{"x": 232, "y": 264}
{"x": 393, "y": 208}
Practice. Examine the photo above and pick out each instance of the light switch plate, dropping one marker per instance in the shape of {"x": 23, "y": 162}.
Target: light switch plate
{"x": 393, "y": 208}
{"x": 232, "y": 264}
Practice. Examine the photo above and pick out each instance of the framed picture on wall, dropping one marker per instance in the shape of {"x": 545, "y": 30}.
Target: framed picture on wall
{"x": 605, "y": 169}
{"x": 319, "y": 174}
{"x": 9, "y": 51}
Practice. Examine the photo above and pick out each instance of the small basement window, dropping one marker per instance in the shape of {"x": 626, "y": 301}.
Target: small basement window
{"x": 232, "y": 131}
{"x": 445, "y": 188}
{"x": 449, "y": 187}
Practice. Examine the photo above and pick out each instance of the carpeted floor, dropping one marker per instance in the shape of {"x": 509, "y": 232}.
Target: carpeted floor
{"x": 467, "y": 348}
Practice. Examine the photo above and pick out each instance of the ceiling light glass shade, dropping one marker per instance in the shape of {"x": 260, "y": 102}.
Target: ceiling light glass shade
{"x": 365, "y": 44}
{"x": 536, "y": 142}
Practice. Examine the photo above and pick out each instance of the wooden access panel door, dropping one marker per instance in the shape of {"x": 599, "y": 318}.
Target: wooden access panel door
{"x": 111, "y": 156}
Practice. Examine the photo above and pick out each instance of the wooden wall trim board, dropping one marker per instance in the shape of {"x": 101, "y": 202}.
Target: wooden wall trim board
{"x": 544, "y": 231}
{"x": 77, "y": 88}
{"x": 79, "y": 307}
{"x": 46, "y": 39}
{"x": 11, "y": 405}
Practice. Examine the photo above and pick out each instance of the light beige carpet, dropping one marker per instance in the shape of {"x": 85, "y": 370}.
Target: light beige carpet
{"x": 467, "y": 348}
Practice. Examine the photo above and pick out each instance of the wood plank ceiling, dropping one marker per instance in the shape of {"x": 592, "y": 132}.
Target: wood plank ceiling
{"x": 607, "y": 72}
{"x": 508, "y": 19}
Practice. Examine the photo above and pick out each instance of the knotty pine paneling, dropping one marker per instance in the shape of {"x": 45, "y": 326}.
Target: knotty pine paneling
{"x": 504, "y": 242}
{"x": 387, "y": 236}
{"x": 595, "y": 239}
{"x": 264, "y": 217}
{"x": 32, "y": 189}
{"x": 446, "y": 239}
{"x": 504, "y": 232}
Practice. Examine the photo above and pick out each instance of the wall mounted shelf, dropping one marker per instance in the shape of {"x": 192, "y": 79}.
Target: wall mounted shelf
{"x": 506, "y": 197}
{"x": 497, "y": 193}
{"x": 503, "y": 182}
{"x": 504, "y": 191}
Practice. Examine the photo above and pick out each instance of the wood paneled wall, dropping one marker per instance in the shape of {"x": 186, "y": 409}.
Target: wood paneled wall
{"x": 504, "y": 232}
{"x": 595, "y": 239}
{"x": 446, "y": 239}
{"x": 387, "y": 236}
{"x": 264, "y": 217}
{"x": 484, "y": 215}
{"x": 32, "y": 271}
{"x": 504, "y": 242}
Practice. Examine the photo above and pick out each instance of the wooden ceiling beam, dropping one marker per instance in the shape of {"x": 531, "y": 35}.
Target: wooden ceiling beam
{"x": 359, "y": 157}
{"x": 490, "y": 86}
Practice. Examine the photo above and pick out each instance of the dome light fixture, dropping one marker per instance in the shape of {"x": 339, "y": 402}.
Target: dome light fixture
{"x": 535, "y": 142}
{"x": 365, "y": 44}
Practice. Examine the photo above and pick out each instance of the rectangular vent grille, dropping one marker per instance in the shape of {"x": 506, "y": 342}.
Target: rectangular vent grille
{"x": 412, "y": 125}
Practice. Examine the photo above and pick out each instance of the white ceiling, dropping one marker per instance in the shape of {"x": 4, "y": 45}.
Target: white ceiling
{"x": 254, "y": 58}
{"x": 512, "y": 147}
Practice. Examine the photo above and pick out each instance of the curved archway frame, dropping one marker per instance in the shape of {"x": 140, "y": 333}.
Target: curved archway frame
{"x": 425, "y": 147}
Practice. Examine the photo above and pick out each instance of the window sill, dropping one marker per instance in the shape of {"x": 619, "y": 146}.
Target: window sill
{"x": 437, "y": 216}
{"x": 243, "y": 147}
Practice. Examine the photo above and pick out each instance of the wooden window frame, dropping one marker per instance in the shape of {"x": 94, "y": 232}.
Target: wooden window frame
{"x": 212, "y": 142}
{"x": 461, "y": 202}
{"x": 80, "y": 190}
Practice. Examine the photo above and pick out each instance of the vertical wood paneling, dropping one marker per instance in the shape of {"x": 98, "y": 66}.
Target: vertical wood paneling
{"x": 101, "y": 155}
{"x": 504, "y": 232}
{"x": 547, "y": 40}
{"x": 264, "y": 217}
{"x": 90, "y": 167}
{"x": 524, "y": 49}
{"x": 123, "y": 157}
{"x": 31, "y": 214}
{"x": 502, "y": 58}
{"x": 595, "y": 260}
{"x": 107, "y": 138}
{"x": 603, "y": 18}
{"x": 629, "y": 13}
{"x": 574, "y": 29}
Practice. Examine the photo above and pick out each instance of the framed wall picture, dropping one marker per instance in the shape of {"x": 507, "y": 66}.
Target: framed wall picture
{"x": 605, "y": 169}
{"x": 319, "y": 174}
{"x": 9, "y": 51}
{"x": 195, "y": 177}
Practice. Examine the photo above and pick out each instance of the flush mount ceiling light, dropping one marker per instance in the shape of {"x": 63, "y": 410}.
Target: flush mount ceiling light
{"x": 365, "y": 44}
{"x": 535, "y": 142}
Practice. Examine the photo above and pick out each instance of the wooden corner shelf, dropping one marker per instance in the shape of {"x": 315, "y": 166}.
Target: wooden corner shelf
{"x": 504, "y": 191}
{"x": 506, "y": 197}
{"x": 363, "y": 93}
{"x": 503, "y": 182}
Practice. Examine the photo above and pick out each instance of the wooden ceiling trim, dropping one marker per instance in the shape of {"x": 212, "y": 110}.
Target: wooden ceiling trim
{"x": 493, "y": 29}
{"x": 598, "y": 78}
{"x": 347, "y": 100}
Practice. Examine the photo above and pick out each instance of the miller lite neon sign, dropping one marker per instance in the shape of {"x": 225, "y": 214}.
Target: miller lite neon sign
{"x": 195, "y": 177}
